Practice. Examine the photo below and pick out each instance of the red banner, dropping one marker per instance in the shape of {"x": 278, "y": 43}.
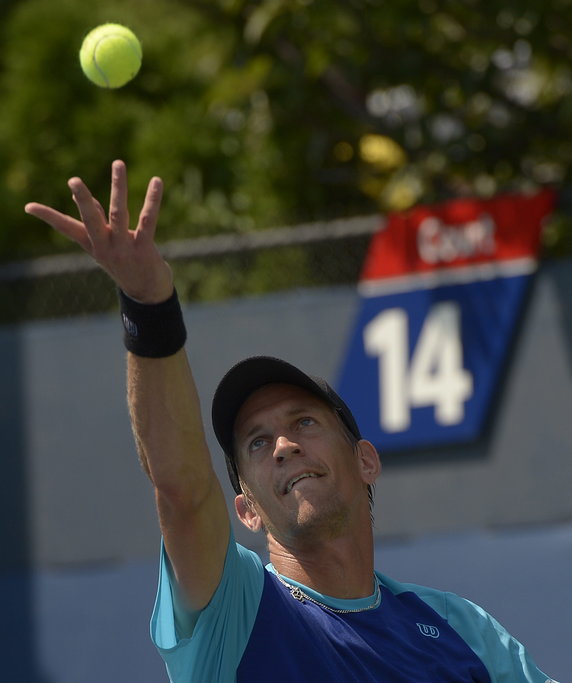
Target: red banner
{"x": 457, "y": 233}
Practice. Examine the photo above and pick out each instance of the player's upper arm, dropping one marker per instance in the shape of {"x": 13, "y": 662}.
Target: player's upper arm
{"x": 196, "y": 535}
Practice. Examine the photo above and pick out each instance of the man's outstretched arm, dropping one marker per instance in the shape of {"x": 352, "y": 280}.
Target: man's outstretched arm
{"x": 163, "y": 400}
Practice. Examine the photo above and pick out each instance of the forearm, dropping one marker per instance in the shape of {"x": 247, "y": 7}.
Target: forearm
{"x": 167, "y": 423}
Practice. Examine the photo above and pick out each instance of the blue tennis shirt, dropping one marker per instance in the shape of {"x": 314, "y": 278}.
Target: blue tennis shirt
{"x": 254, "y": 630}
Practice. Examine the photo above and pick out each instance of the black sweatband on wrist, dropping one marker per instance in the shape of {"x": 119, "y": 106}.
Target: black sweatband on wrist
{"x": 152, "y": 330}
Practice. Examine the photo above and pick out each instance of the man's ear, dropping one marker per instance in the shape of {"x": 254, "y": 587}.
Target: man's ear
{"x": 247, "y": 513}
{"x": 370, "y": 463}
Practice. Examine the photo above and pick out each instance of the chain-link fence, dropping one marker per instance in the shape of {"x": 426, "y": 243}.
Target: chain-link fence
{"x": 205, "y": 269}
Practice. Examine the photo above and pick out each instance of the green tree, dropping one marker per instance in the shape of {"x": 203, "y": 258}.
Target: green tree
{"x": 268, "y": 112}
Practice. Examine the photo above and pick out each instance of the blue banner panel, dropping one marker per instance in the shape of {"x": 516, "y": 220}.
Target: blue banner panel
{"x": 423, "y": 365}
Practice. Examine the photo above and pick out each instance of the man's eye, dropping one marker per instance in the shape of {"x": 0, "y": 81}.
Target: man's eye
{"x": 307, "y": 421}
{"x": 256, "y": 445}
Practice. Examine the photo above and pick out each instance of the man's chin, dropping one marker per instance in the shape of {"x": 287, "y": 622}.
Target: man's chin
{"x": 326, "y": 519}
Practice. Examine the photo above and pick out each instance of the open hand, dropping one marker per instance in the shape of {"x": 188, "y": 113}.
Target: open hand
{"x": 130, "y": 257}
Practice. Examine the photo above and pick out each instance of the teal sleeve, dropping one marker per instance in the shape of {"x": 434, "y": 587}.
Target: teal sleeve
{"x": 208, "y": 645}
{"x": 505, "y": 659}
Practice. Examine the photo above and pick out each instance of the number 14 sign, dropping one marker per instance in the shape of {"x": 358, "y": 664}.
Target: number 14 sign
{"x": 442, "y": 290}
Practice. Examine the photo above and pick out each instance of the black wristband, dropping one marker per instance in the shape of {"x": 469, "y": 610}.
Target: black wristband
{"x": 152, "y": 330}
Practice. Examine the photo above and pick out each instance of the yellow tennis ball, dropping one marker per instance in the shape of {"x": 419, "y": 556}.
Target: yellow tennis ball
{"x": 110, "y": 55}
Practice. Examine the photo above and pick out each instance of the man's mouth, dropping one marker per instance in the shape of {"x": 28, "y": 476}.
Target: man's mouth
{"x": 296, "y": 479}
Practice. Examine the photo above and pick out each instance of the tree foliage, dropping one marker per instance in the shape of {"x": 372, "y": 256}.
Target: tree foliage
{"x": 267, "y": 112}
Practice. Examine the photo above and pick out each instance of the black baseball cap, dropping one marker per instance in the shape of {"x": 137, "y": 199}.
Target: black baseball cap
{"x": 251, "y": 374}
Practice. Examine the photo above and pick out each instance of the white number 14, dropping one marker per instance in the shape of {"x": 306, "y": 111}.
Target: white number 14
{"x": 435, "y": 376}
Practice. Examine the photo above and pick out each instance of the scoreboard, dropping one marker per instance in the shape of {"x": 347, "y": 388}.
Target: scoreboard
{"x": 441, "y": 293}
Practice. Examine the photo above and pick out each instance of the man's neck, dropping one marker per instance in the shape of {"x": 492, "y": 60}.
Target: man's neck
{"x": 340, "y": 567}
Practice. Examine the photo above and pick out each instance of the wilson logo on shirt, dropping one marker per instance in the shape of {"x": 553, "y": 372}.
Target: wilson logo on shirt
{"x": 429, "y": 631}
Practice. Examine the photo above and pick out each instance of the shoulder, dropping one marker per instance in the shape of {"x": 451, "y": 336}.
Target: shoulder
{"x": 437, "y": 599}
{"x": 505, "y": 658}
{"x": 207, "y": 645}
{"x": 239, "y": 591}
{"x": 465, "y": 616}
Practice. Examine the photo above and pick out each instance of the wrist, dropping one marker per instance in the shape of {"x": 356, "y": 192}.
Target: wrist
{"x": 154, "y": 288}
{"x": 152, "y": 330}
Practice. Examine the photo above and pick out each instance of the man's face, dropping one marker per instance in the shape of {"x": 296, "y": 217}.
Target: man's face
{"x": 299, "y": 466}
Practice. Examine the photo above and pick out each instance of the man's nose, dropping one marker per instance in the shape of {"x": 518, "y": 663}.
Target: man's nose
{"x": 285, "y": 448}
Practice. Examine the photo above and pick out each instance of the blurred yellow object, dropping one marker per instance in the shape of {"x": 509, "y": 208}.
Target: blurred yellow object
{"x": 400, "y": 195}
{"x": 399, "y": 192}
{"x": 382, "y": 152}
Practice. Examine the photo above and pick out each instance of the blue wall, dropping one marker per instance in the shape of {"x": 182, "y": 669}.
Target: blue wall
{"x": 490, "y": 520}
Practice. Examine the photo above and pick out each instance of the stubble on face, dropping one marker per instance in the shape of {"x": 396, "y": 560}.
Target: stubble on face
{"x": 309, "y": 522}
{"x": 317, "y": 514}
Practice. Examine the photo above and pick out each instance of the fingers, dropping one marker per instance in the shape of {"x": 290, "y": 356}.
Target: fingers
{"x": 100, "y": 209}
{"x": 118, "y": 212}
{"x": 150, "y": 211}
{"x": 89, "y": 209}
{"x": 66, "y": 225}
{"x": 94, "y": 231}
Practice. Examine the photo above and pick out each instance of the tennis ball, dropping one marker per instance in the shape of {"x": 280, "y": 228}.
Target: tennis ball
{"x": 110, "y": 55}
